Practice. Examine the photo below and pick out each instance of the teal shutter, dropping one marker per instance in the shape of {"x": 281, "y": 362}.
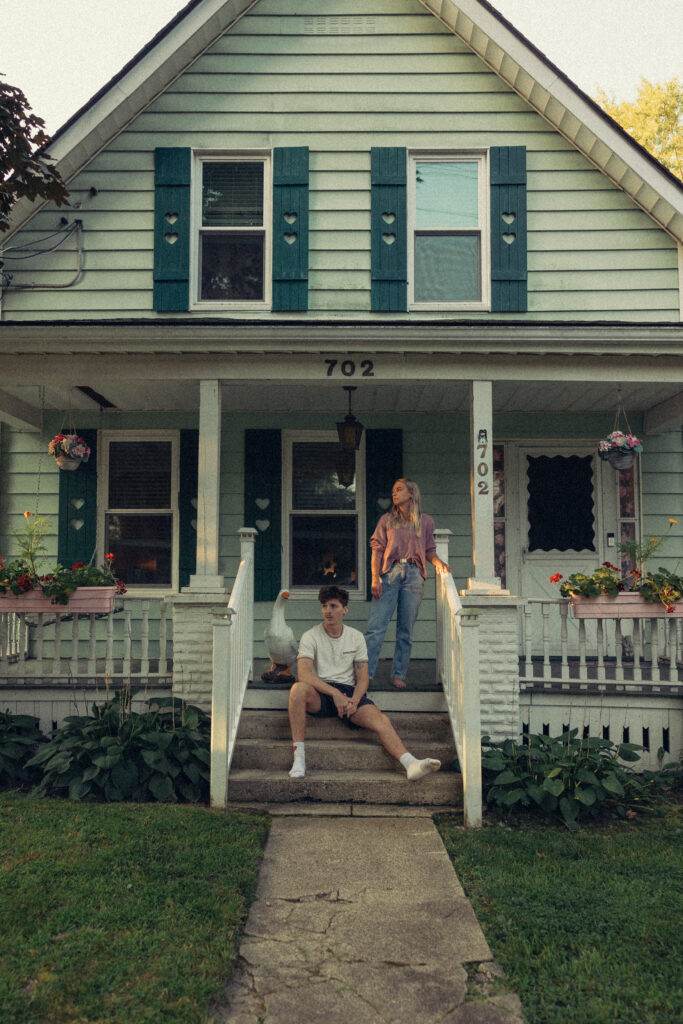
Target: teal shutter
{"x": 187, "y": 511}
{"x": 290, "y": 228}
{"x": 508, "y": 229}
{"x": 383, "y": 466}
{"x": 263, "y": 508}
{"x": 389, "y": 266}
{"x": 172, "y": 169}
{"x": 77, "y": 537}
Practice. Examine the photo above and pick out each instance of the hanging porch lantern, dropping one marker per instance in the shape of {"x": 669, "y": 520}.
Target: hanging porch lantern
{"x": 350, "y": 430}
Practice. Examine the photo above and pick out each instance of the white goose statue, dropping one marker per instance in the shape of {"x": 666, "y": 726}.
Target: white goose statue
{"x": 280, "y": 644}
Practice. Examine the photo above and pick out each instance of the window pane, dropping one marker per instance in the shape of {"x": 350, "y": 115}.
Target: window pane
{"x": 446, "y": 194}
{"x": 560, "y": 504}
{"x": 142, "y": 548}
{"x": 232, "y": 194}
{"x": 232, "y": 267}
{"x": 315, "y": 484}
{"x": 447, "y": 268}
{"x": 324, "y": 550}
{"x": 140, "y": 474}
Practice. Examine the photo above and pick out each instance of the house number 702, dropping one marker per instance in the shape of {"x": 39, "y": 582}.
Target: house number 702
{"x": 348, "y": 367}
{"x": 482, "y": 469}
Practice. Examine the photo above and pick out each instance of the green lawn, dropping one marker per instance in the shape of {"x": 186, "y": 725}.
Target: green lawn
{"x": 587, "y": 925}
{"x": 127, "y": 913}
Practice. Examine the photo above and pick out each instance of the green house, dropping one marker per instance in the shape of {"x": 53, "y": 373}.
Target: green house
{"x": 276, "y": 202}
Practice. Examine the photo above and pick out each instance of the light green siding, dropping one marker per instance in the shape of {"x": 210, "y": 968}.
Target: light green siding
{"x": 370, "y": 73}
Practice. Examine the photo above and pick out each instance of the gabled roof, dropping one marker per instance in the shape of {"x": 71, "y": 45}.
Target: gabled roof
{"x": 476, "y": 22}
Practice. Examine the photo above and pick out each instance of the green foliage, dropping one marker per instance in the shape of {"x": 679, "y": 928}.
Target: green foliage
{"x": 25, "y": 171}
{"x": 605, "y": 580}
{"x": 566, "y": 777}
{"x": 661, "y": 586}
{"x": 119, "y": 754}
{"x": 655, "y": 119}
{"x": 20, "y": 737}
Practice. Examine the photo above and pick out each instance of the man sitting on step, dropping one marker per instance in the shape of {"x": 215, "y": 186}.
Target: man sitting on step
{"x": 333, "y": 680}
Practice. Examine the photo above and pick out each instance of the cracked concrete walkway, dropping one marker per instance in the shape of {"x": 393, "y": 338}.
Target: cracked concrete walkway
{"x": 363, "y": 921}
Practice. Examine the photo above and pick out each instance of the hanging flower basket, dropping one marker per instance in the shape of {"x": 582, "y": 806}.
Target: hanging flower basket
{"x": 620, "y": 459}
{"x": 69, "y": 451}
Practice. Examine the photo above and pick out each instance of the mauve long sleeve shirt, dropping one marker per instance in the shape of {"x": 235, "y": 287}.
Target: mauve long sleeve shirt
{"x": 396, "y": 542}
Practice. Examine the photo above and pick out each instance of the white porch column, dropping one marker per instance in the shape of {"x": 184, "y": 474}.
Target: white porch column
{"x": 483, "y": 579}
{"x": 206, "y": 578}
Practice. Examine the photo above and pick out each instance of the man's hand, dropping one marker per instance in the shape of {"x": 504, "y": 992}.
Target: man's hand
{"x": 351, "y": 706}
{"x": 340, "y": 702}
{"x": 376, "y": 588}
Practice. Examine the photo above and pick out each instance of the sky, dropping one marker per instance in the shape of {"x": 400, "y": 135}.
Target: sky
{"x": 60, "y": 52}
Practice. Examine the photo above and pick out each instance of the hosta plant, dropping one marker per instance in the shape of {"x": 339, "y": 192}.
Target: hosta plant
{"x": 161, "y": 753}
{"x": 564, "y": 776}
{"x": 20, "y": 737}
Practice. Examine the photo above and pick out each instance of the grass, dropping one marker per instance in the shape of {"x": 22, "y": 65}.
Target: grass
{"x": 586, "y": 925}
{"x": 120, "y": 912}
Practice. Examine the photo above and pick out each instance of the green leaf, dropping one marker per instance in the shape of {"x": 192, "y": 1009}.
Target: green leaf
{"x": 161, "y": 787}
{"x": 569, "y": 811}
{"x": 125, "y": 777}
{"x": 553, "y": 786}
{"x": 505, "y": 778}
{"x": 612, "y": 785}
{"x": 585, "y": 796}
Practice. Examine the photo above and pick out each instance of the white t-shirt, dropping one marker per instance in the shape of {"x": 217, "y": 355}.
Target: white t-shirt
{"x": 333, "y": 657}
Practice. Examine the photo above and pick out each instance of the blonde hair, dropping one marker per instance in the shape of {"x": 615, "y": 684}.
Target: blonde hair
{"x": 414, "y": 516}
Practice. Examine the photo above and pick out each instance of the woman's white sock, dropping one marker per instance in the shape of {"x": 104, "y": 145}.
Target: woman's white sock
{"x": 298, "y": 769}
{"x": 418, "y": 769}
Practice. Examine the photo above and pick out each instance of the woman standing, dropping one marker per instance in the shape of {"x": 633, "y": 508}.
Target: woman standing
{"x": 402, "y": 544}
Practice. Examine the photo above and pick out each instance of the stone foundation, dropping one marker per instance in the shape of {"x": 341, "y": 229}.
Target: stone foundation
{"x": 498, "y": 665}
{"x": 193, "y": 644}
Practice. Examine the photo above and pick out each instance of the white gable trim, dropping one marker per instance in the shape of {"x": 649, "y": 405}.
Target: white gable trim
{"x": 505, "y": 51}
{"x": 565, "y": 108}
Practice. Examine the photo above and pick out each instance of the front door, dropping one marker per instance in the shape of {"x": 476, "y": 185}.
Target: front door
{"x": 566, "y": 512}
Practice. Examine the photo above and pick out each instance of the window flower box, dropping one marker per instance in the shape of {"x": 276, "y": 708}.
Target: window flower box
{"x": 83, "y": 600}
{"x": 623, "y": 606}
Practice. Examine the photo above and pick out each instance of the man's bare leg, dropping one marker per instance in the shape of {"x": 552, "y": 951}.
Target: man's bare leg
{"x": 370, "y": 717}
{"x": 302, "y": 698}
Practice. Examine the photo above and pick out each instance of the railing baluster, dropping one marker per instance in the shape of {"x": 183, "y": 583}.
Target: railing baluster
{"x": 127, "y": 639}
{"x": 162, "y": 667}
{"x": 600, "y": 643}
{"x": 564, "y": 641}
{"x": 74, "y": 646}
{"x": 618, "y": 652}
{"x": 39, "y": 647}
{"x": 654, "y": 650}
{"x": 109, "y": 649}
{"x": 545, "y": 618}
{"x": 637, "y": 646}
{"x": 57, "y": 654}
{"x": 92, "y": 647}
{"x": 144, "y": 639}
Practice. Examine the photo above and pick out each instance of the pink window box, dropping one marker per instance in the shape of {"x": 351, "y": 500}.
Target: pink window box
{"x": 83, "y": 600}
{"x": 623, "y": 606}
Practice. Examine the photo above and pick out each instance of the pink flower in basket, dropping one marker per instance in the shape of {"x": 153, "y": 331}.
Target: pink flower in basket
{"x": 71, "y": 445}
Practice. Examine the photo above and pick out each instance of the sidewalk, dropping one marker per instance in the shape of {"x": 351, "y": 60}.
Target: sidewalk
{"x": 363, "y": 921}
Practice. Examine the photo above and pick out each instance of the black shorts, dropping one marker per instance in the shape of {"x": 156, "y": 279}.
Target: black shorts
{"x": 327, "y": 706}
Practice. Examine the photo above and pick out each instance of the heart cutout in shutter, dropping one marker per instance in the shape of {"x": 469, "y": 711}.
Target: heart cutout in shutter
{"x": 290, "y": 239}
{"x": 262, "y": 524}
{"x": 384, "y": 503}
{"x": 388, "y": 239}
{"x": 171, "y": 237}
{"x": 193, "y": 524}
{"x": 171, "y": 218}
{"x": 193, "y": 502}
{"x": 77, "y": 503}
{"x": 508, "y": 217}
{"x": 263, "y": 503}
{"x": 508, "y": 237}
{"x": 77, "y": 524}
{"x": 290, "y": 217}
{"x": 388, "y": 218}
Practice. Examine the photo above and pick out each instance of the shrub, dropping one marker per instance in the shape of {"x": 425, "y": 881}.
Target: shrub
{"x": 20, "y": 737}
{"x": 565, "y": 776}
{"x": 119, "y": 754}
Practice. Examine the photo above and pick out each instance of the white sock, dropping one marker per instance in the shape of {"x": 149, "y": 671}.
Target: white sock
{"x": 298, "y": 769}
{"x": 418, "y": 769}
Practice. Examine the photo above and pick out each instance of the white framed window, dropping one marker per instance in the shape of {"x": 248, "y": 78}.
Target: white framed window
{"x": 448, "y": 240}
{"x": 323, "y": 527}
{"x": 232, "y": 236}
{"x": 137, "y": 505}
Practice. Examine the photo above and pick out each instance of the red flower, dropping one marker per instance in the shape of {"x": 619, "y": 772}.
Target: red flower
{"x": 109, "y": 557}
{"x": 556, "y": 577}
{"x": 25, "y": 583}
{"x": 669, "y": 608}
{"x": 120, "y": 587}
{"x": 77, "y": 565}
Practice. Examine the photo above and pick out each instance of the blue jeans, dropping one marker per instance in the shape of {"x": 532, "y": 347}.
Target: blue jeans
{"x": 402, "y": 585}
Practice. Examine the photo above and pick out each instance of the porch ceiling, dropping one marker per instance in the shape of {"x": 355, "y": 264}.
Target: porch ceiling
{"x": 288, "y": 397}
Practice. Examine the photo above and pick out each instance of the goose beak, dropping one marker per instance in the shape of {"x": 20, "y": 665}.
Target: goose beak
{"x": 285, "y": 594}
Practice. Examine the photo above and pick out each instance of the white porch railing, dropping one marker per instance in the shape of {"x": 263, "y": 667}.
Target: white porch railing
{"x": 232, "y": 666}
{"x": 130, "y": 643}
{"x": 457, "y": 666}
{"x": 555, "y": 646}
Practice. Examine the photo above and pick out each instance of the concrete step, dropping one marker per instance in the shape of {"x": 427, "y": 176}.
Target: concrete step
{"x": 344, "y": 755}
{"x": 251, "y": 787}
{"x": 319, "y": 809}
{"x": 431, "y": 726}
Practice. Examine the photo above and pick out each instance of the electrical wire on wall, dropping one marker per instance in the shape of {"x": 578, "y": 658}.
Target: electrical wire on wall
{"x": 29, "y": 252}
